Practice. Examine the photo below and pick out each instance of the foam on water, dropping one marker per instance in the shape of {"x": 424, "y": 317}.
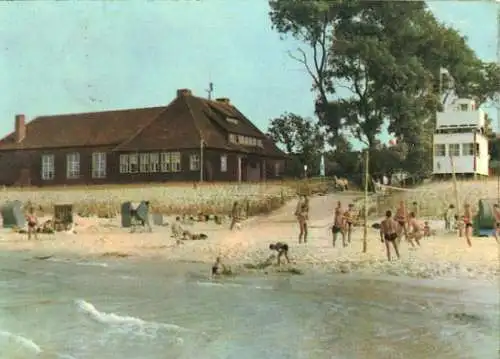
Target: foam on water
{"x": 92, "y": 264}
{"x": 232, "y": 285}
{"x": 114, "y": 319}
{"x": 24, "y": 342}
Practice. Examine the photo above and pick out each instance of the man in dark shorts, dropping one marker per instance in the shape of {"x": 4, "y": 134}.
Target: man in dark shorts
{"x": 282, "y": 249}
{"x": 389, "y": 234}
{"x": 338, "y": 224}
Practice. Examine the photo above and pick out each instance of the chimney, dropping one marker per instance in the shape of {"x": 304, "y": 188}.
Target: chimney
{"x": 223, "y": 100}
{"x": 184, "y": 92}
{"x": 20, "y": 128}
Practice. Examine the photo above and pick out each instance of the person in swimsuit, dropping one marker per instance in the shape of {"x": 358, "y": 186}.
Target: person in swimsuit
{"x": 415, "y": 232}
{"x": 338, "y": 224}
{"x": 302, "y": 214}
{"x": 282, "y": 249}
{"x": 468, "y": 223}
{"x": 32, "y": 223}
{"x": 235, "y": 216}
{"x": 218, "y": 268}
{"x": 389, "y": 234}
{"x": 427, "y": 230}
{"x": 496, "y": 212}
{"x": 449, "y": 218}
{"x": 401, "y": 217}
{"x": 348, "y": 221}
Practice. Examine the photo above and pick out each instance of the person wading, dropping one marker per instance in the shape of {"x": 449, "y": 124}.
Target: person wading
{"x": 389, "y": 234}
{"x": 302, "y": 214}
{"x": 338, "y": 224}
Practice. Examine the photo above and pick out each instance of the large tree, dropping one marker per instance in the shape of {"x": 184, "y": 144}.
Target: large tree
{"x": 377, "y": 61}
{"x": 301, "y": 137}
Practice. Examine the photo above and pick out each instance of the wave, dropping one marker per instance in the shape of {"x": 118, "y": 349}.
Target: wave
{"x": 29, "y": 344}
{"x": 24, "y": 342}
{"x": 114, "y": 319}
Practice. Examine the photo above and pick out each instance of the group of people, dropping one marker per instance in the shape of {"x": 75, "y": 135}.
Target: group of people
{"x": 393, "y": 228}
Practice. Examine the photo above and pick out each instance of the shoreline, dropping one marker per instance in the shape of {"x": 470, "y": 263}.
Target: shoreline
{"x": 308, "y": 259}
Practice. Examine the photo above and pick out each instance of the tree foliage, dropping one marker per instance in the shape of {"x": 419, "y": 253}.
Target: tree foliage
{"x": 379, "y": 62}
{"x": 300, "y": 137}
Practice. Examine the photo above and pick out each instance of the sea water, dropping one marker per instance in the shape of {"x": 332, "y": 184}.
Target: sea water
{"x": 75, "y": 308}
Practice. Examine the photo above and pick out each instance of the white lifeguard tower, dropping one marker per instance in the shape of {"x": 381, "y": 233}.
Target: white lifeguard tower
{"x": 460, "y": 144}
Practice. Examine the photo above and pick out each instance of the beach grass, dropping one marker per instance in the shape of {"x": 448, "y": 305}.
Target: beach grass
{"x": 434, "y": 198}
{"x": 166, "y": 198}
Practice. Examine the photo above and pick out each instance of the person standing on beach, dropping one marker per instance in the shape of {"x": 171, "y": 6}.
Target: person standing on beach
{"x": 302, "y": 214}
{"x": 235, "y": 216}
{"x": 32, "y": 223}
{"x": 415, "y": 230}
{"x": 449, "y": 218}
{"x": 389, "y": 234}
{"x": 496, "y": 212}
{"x": 401, "y": 217}
{"x": 467, "y": 218}
{"x": 338, "y": 224}
{"x": 349, "y": 221}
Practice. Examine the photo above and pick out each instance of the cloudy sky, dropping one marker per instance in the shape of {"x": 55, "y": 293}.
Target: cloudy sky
{"x": 66, "y": 57}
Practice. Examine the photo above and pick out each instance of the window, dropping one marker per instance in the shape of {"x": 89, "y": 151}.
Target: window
{"x": 175, "y": 160}
{"x": 98, "y": 165}
{"x": 232, "y": 138}
{"x": 154, "y": 162}
{"x": 439, "y": 150}
{"x": 194, "y": 162}
{"x": 170, "y": 161}
{"x": 133, "y": 163}
{"x": 259, "y": 143}
{"x": 165, "y": 162}
{"x": 48, "y": 170}
{"x": 463, "y": 107}
{"x": 144, "y": 163}
{"x": 477, "y": 150}
{"x": 468, "y": 149}
{"x": 232, "y": 120}
{"x": 73, "y": 165}
{"x": 223, "y": 163}
{"x": 454, "y": 149}
{"x": 277, "y": 169}
{"x": 124, "y": 164}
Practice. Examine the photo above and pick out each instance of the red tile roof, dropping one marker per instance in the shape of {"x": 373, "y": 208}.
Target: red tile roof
{"x": 180, "y": 125}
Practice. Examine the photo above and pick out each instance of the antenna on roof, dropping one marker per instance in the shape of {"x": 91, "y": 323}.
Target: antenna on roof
{"x": 210, "y": 90}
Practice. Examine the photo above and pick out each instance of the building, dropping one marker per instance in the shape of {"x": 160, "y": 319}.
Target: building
{"x": 189, "y": 139}
{"x": 460, "y": 143}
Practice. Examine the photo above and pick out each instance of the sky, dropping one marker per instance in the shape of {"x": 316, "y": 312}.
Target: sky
{"x": 70, "y": 57}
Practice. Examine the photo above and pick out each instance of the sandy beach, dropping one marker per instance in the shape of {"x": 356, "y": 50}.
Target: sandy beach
{"x": 444, "y": 255}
